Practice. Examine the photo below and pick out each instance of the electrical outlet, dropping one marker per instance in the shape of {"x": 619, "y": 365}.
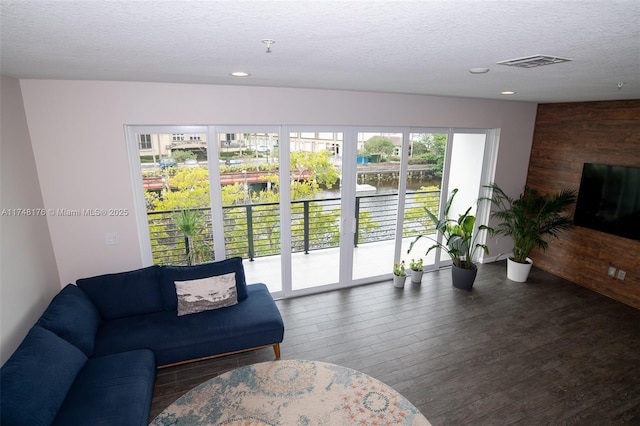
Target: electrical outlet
{"x": 110, "y": 238}
{"x": 612, "y": 272}
{"x": 621, "y": 274}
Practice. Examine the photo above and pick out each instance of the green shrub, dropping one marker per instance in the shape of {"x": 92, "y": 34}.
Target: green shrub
{"x": 181, "y": 155}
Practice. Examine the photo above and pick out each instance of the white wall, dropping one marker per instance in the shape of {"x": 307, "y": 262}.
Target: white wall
{"x": 28, "y": 277}
{"x": 78, "y": 140}
{"x": 467, "y": 154}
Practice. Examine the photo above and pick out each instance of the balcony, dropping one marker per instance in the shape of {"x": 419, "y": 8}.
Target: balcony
{"x": 252, "y": 231}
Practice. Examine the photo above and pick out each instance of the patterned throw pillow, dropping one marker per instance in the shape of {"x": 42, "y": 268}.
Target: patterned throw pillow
{"x": 206, "y": 294}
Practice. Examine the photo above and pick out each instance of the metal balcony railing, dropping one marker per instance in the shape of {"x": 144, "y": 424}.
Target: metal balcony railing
{"x": 253, "y": 230}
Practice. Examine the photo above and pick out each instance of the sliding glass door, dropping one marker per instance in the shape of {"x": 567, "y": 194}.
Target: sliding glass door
{"x": 315, "y": 207}
{"x": 173, "y": 178}
{"x": 425, "y": 171}
{"x": 378, "y": 199}
{"x": 247, "y": 198}
{"x": 305, "y": 207}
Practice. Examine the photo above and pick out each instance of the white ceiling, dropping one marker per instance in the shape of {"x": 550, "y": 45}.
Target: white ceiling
{"x": 421, "y": 47}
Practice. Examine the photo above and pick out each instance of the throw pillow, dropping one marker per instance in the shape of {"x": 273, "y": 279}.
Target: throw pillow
{"x": 170, "y": 274}
{"x": 206, "y": 294}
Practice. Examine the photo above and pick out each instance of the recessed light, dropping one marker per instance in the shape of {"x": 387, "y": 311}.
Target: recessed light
{"x": 240, "y": 74}
{"x": 479, "y": 70}
{"x": 508, "y": 92}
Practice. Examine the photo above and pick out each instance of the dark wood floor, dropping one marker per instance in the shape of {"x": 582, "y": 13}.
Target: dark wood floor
{"x": 544, "y": 352}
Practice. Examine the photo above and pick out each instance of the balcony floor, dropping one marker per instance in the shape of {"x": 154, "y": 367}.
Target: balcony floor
{"x": 319, "y": 269}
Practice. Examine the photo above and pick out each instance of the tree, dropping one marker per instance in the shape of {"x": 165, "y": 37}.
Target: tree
{"x": 323, "y": 224}
{"x": 189, "y": 188}
{"x": 191, "y": 224}
{"x": 436, "y": 145}
{"x": 379, "y": 145}
{"x": 414, "y": 218}
{"x": 419, "y": 148}
{"x": 322, "y": 170}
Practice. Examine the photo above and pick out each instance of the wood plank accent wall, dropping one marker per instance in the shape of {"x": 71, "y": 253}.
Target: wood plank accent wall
{"x": 566, "y": 136}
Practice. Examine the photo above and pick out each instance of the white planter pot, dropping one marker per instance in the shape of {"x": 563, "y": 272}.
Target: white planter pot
{"x": 398, "y": 281}
{"x": 518, "y": 272}
{"x": 416, "y": 276}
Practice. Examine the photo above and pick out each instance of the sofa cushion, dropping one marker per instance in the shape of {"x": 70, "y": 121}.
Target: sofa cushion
{"x": 111, "y": 390}
{"x": 125, "y": 293}
{"x": 72, "y": 316}
{"x": 206, "y": 294}
{"x": 253, "y": 322}
{"x": 36, "y": 378}
{"x": 170, "y": 274}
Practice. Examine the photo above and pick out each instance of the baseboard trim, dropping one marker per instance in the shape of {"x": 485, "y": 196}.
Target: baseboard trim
{"x": 501, "y": 256}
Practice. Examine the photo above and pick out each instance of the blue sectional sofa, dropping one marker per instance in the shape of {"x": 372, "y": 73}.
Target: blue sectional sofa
{"x": 91, "y": 358}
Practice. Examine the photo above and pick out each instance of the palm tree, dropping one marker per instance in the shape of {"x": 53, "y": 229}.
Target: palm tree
{"x": 189, "y": 222}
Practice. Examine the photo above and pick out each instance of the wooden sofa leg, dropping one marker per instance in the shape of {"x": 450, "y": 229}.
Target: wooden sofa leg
{"x": 276, "y": 349}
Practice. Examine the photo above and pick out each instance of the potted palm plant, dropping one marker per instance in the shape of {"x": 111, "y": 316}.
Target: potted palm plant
{"x": 459, "y": 241}
{"x": 529, "y": 220}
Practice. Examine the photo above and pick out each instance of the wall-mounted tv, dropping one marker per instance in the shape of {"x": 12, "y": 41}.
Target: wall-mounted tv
{"x": 609, "y": 200}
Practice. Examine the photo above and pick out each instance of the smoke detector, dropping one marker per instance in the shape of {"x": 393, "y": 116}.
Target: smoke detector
{"x": 534, "y": 61}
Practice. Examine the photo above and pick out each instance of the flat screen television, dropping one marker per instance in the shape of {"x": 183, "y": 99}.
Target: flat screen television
{"x": 609, "y": 200}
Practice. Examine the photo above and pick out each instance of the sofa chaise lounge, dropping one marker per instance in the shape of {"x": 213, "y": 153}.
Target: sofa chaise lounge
{"x": 92, "y": 356}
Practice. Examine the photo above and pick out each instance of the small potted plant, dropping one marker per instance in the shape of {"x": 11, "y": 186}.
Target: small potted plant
{"x": 529, "y": 219}
{"x": 459, "y": 241}
{"x": 416, "y": 270}
{"x": 399, "y": 274}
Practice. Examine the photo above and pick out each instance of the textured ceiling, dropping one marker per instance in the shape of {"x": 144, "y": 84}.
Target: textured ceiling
{"x": 421, "y": 47}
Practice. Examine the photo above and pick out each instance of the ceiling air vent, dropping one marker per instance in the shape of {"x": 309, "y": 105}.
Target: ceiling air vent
{"x": 534, "y": 61}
